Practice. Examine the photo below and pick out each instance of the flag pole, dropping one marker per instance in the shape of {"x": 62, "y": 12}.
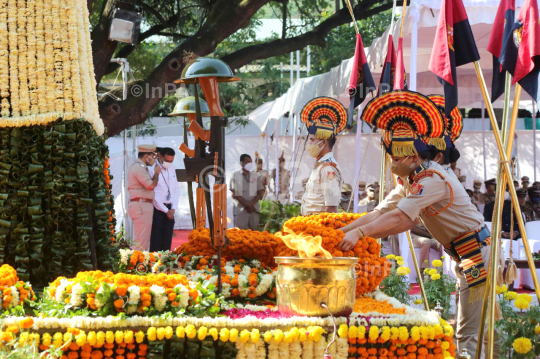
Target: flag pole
{"x": 352, "y": 15}
{"x": 508, "y": 174}
{"x": 403, "y": 17}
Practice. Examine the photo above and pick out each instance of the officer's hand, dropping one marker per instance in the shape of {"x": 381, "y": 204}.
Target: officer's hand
{"x": 170, "y": 214}
{"x": 349, "y": 241}
{"x": 157, "y": 170}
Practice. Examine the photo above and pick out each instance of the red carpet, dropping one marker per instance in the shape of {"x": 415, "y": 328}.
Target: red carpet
{"x": 415, "y": 290}
{"x": 179, "y": 237}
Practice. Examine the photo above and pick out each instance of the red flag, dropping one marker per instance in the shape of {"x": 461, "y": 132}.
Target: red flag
{"x": 454, "y": 46}
{"x": 389, "y": 70}
{"x": 400, "y": 82}
{"x": 361, "y": 82}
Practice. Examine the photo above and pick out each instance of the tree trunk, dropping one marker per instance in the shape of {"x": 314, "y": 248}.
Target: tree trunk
{"x": 284, "y": 19}
{"x": 102, "y": 48}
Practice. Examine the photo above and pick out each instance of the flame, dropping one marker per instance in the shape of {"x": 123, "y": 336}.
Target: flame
{"x": 307, "y": 246}
{"x": 228, "y": 220}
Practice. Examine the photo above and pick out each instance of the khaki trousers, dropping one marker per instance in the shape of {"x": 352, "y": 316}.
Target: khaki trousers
{"x": 141, "y": 214}
{"x": 425, "y": 244}
{"x": 468, "y": 315}
{"x": 244, "y": 220}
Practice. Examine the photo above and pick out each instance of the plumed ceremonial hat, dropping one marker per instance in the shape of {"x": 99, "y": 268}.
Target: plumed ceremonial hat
{"x": 409, "y": 119}
{"x": 453, "y": 126}
{"x": 324, "y": 117}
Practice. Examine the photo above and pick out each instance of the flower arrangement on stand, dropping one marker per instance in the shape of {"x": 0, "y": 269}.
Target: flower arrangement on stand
{"x": 15, "y": 295}
{"x": 439, "y": 287}
{"x": 519, "y": 328}
{"x": 243, "y": 244}
{"x": 371, "y": 268}
{"x": 397, "y": 284}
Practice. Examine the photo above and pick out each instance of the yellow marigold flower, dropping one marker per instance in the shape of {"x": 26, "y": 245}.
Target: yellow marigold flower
{"x": 168, "y": 332}
{"x": 343, "y": 331}
{"x": 525, "y": 296}
{"x": 436, "y": 276}
{"x": 374, "y": 332}
{"x": 385, "y": 334}
{"x": 244, "y": 336}
{"x": 437, "y": 263}
{"x": 151, "y": 334}
{"x": 254, "y": 336}
{"x": 202, "y": 333}
{"x": 302, "y": 334}
{"x": 399, "y": 258}
{"x": 432, "y": 271}
{"x": 537, "y": 329}
{"x": 445, "y": 345}
{"x": 224, "y": 335}
{"x": 191, "y": 332}
{"x": 128, "y": 336}
{"x": 288, "y": 337}
{"x": 400, "y": 263}
{"x": 267, "y": 336}
{"x": 394, "y": 333}
{"x": 278, "y": 336}
{"x": 119, "y": 337}
{"x": 522, "y": 345}
{"x": 47, "y": 339}
{"x": 213, "y": 333}
{"x": 101, "y": 338}
{"x": 80, "y": 339}
{"x": 109, "y": 337}
{"x": 521, "y": 303}
{"x": 139, "y": 337}
{"x": 67, "y": 337}
{"x": 233, "y": 335}
{"x": 403, "y": 333}
{"x": 501, "y": 289}
{"x": 415, "y": 333}
{"x": 510, "y": 295}
{"x": 353, "y": 332}
{"x": 361, "y": 332}
{"x": 418, "y": 301}
{"x": 181, "y": 332}
{"x": 403, "y": 270}
{"x": 390, "y": 256}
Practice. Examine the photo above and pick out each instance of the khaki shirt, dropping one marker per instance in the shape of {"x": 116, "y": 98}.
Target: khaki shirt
{"x": 139, "y": 181}
{"x": 528, "y": 212}
{"x": 428, "y": 189}
{"x": 284, "y": 183}
{"x": 245, "y": 186}
{"x": 477, "y": 197}
{"x": 323, "y": 188}
{"x": 362, "y": 195}
{"x": 371, "y": 204}
{"x": 487, "y": 198}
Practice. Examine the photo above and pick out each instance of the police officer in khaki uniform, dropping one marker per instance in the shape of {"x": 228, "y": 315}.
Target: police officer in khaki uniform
{"x": 425, "y": 193}
{"x": 372, "y": 200}
{"x": 526, "y": 209}
{"x": 324, "y": 118}
{"x": 525, "y": 182}
{"x": 361, "y": 190}
{"x": 141, "y": 194}
{"x": 346, "y": 205}
{"x": 489, "y": 195}
{"x": 534, "y": 200}
{"x": 247, "y": 190}
{"x": 477, "y": 195}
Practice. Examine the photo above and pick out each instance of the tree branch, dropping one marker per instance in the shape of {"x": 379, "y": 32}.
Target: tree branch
{"x": 178, "y": 36}
{"x": 102, "y": 48}
{"x": 118, "y": 116}
{"x": 316, "y": 36}
{"x": 150, "y": 10}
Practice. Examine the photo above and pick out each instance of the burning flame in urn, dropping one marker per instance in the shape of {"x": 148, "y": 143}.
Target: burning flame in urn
{"x": 307, "y": 246}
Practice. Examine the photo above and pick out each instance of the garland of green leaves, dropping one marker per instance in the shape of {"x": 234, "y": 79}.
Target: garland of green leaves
{"x": 51, "y": 181}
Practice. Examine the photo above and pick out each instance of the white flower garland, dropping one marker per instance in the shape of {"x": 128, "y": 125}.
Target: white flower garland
{"x": 183, "y": 301}
{"x": 134, "y": 295}
{"x": 14, "y": 297}
{"x": 76, "y": 292}
{"x": 159, "y": 296}
{"x": 60, "y": 294}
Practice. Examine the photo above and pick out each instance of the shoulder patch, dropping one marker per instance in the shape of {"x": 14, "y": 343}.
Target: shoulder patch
{"x": 142, "y": 165}
{"x": 416, "y": 189}
{"x": 331, "y": 175}
{"x": 423, "y": 174}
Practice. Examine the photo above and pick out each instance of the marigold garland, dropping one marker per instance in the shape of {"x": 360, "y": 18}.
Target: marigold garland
{"x": 371, "y": 268}
{"x": 13, "y": 292}
{"x": 368, "y": 304}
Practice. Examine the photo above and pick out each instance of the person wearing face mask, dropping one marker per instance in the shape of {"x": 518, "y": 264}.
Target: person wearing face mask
{"x": 247, "y": 190}
{"x": 526, "y": 209}
{"x": 506, "y": 225}
{"x": 346, "y": 191}
{"x": 361, "y": 190}
{"x": 167, "y": 193}
{"x": 426, "y": 194}
{"x": 324, "y": 118}
{"x": 372, "y": 198}
{"x": 534, "y": 200}
{"x": 284, "y": 180}
{"x": 525, "y": 182}
{"x": 141, "y": 195}
{"x": 265, "y": 177}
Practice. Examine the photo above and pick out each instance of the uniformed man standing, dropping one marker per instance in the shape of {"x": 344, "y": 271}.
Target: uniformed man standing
{"x": 534, "y": 200}
{"x": 478, "y": 199}
{"x": 141, "y": 195}
{"x": 362, "y": 190}
{"x": 426, "y": 193}
{"x": 247, "y": 190}
{"x": 284, "y": 180}
{"x": 525, "y": 182}
{"x": 265, "y": 177}
{"x": 489, "y": 195}
{"x": 346, "y": 205}
{"x": 324, "y": 118}
{"x": 526, "y": 209}
{"x": 372, "y": 200}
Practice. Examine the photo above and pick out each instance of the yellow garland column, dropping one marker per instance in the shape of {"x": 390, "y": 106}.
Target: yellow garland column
{"x": 74, "y": 58}
{"x": 31, "y": 56}
{"x": 49, "y": 57}
{"x": 58, "y": 63}
{"x": 4, "y": 60}
{"x": 93, "y": 114}
{"x": 24, "y": 100}
{"x": 13, "y": 58}
{"x": 66, "y": 59}
{"x": 41, "y": 72}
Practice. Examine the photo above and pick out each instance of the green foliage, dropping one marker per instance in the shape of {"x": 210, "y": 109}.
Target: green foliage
{"x": 16, "y": 350}
{"x": 396, "y": 285}
{"x": 274, "y": 214}
{"x": 439, "y": 291}
{"x": 518, "y": 324}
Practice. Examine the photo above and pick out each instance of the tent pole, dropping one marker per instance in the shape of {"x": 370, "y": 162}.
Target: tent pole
{"x": 276, "y": 178}
{"x": 359, "y": 124}
{"x": 534, "y": 136}
{"x": 414, "y": 49}
{"x": 508, "y": 174}
{"x": 293, "y": 161}
{"x": 292, "y": 72}
{"x": 484, "y": 139}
